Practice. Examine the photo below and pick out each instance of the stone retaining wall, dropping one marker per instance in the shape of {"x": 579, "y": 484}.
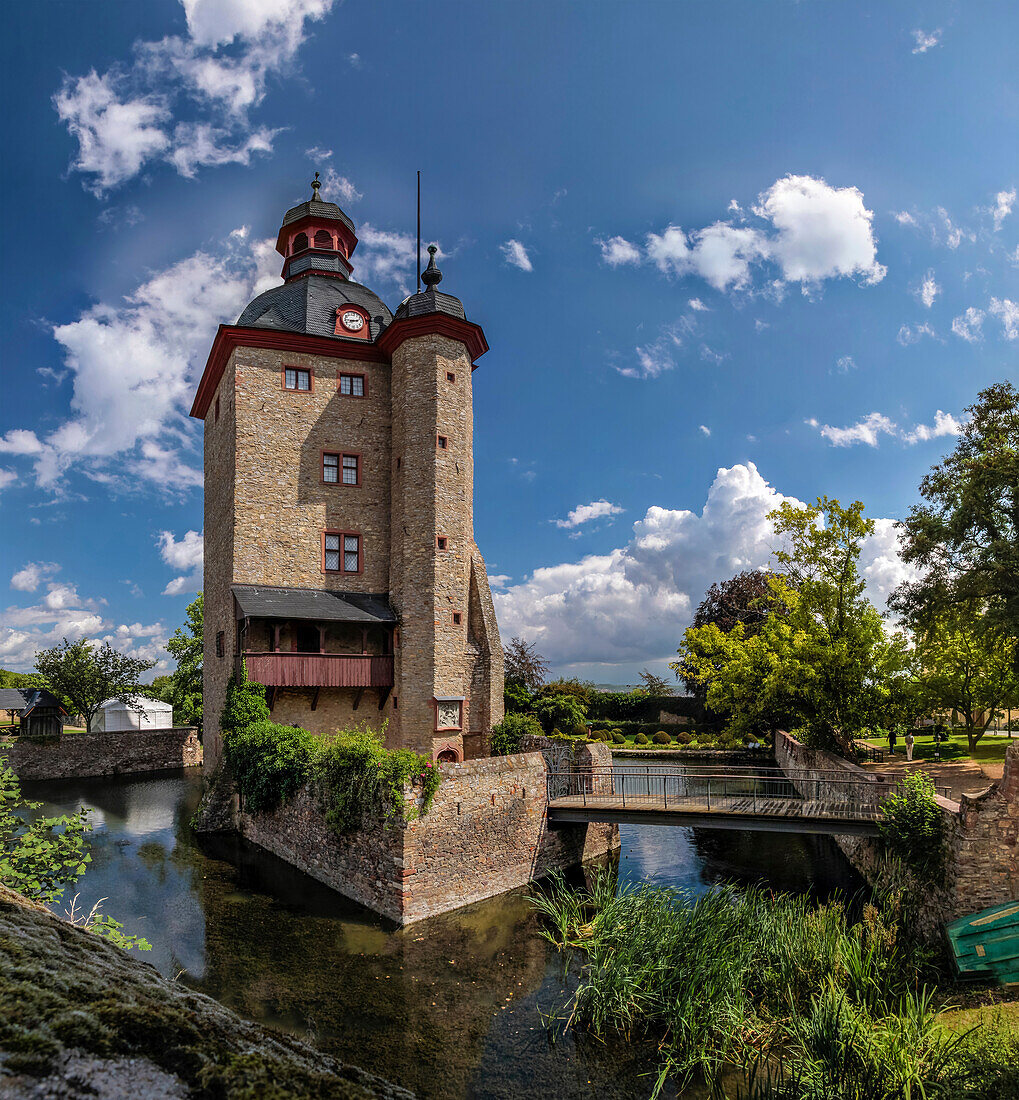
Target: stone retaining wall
{"x": 982, "y": 832}
{"x": 485, "y": 833}
{"x": 78, "y": 755}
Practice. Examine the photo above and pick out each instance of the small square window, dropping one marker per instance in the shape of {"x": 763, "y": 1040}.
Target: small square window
{"x": 450, "y": 376}
{"x": 352, "y": 385}
{"x": 457, "y": 618}
{"x": 398, "y": 463}
{"x": 296, "y": 379}
{"x": 217, "y": 408}
{"x": 396, "y": 702}
{"x": 219, "y": 643}
{"x": 443, "y": 442}
{"x": 441, "y": 542}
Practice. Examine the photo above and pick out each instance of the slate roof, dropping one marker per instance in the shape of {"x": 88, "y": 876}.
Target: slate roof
{"x": 431, "y": 301}
{"x": 316, "y": 604}
{"x": 309, "y": 305}
{"x": 320, "y": 210}
{"x": 25, "y": 700}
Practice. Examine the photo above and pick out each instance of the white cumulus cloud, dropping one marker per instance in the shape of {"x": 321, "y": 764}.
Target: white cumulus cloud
{"x": 184, "y": 556}
{"x": 29, "y": 578}
{"x": 868, "y": 430}
{"x": 925, "y": 40}
{"x": 928, "y": 289}
{"x": 631, "y": 606}
{"x": 1003, "y": 203}
{"x": 912, "y": 334}
{"x": 617, "y": 250}
{"x": 584, "y": 513}
{"x": 1008, "y": 311}
{"x": 968, "y": 325}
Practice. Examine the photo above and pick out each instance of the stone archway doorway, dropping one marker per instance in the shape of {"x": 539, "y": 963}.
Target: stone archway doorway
{"x": 448, "y": 756}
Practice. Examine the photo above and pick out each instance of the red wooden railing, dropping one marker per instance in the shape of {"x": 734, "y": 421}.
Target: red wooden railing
{"x": 319, "y": 669}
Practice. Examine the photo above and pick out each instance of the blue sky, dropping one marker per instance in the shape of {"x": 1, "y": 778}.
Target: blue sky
{"x": 724, "y": 254}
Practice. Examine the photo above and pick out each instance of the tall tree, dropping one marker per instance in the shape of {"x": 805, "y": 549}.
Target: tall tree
{"x": 967, "y": 667}
{"x": 524, "y": 665}
{"x": 186, "y": 647}
{"x": 964, "y": 538}
{"x": 88, "y": 675}
{"x": 824, "y": 664}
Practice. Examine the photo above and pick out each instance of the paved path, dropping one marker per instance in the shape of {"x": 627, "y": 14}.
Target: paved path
{"x": 963, "y": 776}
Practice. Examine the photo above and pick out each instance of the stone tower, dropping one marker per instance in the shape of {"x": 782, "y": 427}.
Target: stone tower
{"x": 340, "y": 562}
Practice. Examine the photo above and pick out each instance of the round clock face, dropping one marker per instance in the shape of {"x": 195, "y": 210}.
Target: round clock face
{"x": 352, "y": 321}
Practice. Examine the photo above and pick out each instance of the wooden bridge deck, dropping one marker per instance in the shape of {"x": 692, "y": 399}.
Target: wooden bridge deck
{"x": 761, "y": 814}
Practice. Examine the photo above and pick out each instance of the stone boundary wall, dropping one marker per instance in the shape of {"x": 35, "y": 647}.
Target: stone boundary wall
{"x": 121, "y": 752}
{"x": 981, "y": 830}
{"x": 485, "y": 833}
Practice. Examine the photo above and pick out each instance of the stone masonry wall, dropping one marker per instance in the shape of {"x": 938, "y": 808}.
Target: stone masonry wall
{"x": 78, "y": 755}
{"x": 982, "y": 832}
{"x": 485, "y": 833}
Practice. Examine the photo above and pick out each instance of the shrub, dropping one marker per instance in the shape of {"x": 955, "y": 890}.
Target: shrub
{"x": 360, "y": 778}
{"x": 599, "y": 735}
{"x": 618, "y": 737}
{"x": 270, "y": 763}
{"x": 580, "y": 730}
{"x": 642, "y": 739}
{"x": 684, "y": 737}
{"x": 912, "y": 825}
{"x": 662, "y": 738}
{"x": 508, "y": 734}
{"x": 560, "y": 711}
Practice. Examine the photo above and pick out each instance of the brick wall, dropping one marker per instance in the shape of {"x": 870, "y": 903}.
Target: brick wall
{"x": 485, "y": 833}
{"x": 982, "y": 833}
{"x": 77, "y": 755}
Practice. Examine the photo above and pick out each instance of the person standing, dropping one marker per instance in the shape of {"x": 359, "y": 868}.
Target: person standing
{"x": 891, "y": 740}
{"x": 909, "y": 744}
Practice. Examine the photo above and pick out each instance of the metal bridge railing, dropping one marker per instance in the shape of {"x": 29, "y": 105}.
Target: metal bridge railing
{"x": 808, "y": 794}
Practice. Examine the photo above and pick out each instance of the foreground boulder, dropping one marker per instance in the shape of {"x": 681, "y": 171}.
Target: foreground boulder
{"x": 82, "y": 1018}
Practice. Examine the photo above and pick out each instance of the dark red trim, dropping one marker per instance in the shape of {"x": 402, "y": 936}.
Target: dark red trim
{"x": 469, "y": 334}
{"x": 231, "y": 337}
{"x": 341, "y": 455}
{"x": 297, "y": 389}
{"x": 288, "y": 232}
{"x": 360, "y": 552}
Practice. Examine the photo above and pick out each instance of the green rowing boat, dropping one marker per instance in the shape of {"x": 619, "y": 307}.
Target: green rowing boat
{"x": 986, "y": 944}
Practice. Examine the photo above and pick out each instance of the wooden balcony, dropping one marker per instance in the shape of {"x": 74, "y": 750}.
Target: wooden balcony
{"x": 338, "y": 670}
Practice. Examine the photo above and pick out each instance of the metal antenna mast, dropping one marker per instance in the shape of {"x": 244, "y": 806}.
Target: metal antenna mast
{"x": 419, "y": 231}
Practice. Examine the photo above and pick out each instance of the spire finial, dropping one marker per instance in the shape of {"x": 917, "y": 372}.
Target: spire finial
{"x": 315, "y": 185}
{"x": 431, "y": 275}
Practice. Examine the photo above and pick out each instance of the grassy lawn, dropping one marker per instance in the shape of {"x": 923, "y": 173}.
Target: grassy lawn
{"x": 1005, "y": 1013}
{"x": 989, "y": 750}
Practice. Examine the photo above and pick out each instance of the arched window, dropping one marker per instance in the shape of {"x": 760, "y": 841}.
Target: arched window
{"x": 323, "y": 239}
{"x": 300, "y": 243}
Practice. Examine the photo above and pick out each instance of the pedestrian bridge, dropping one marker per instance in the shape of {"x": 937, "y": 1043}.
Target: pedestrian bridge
{"x": 762, "y": 799}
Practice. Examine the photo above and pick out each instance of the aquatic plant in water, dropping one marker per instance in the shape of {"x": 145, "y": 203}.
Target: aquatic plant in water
{"x": 803, "y": 1002}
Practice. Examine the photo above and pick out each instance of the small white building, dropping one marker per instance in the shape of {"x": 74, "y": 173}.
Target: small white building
{"x": 116, "y": 715}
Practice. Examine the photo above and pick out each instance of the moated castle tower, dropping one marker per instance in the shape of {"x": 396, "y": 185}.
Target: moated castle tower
{"x": 340, "y": 562}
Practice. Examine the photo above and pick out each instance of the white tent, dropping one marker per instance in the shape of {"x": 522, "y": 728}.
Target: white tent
{"x": 115, "y": 715}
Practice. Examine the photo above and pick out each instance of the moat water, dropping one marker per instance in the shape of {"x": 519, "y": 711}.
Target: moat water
{"x": 452, "y": 1008}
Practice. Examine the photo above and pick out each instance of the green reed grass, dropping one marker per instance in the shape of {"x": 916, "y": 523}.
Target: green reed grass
{"x": 809, "y": 1004}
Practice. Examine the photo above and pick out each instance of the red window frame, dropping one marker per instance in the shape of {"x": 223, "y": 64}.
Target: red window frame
{"x": 343, "y": 535}
{"x": 297, "y": 389}
{"x": 352, "y": 374}
{"x": 340, "y": 455}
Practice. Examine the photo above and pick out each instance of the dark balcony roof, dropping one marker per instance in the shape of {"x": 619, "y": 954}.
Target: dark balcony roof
{"x": 314, "y": 604}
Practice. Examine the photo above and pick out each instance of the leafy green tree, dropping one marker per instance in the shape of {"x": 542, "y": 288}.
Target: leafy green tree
{"x": 186, "y": 647}
{"x": 968, "y": 666}
{"x": 508, "y": 734}
{"x": 820, "y": 661}
{"x": 654, "y": 685}
{"x": 560, "y": 710}
{"x": 524, "y": 665}
{"x": 517, "y": 699}
{"x": 39, "y": 856}
{"x": 964, "y": 538}
{"x": 88, "y": 675}
{"x": 161, "y": 688}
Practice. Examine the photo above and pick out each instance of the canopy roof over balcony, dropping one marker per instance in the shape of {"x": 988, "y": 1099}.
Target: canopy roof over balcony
{"x": 312, "y": 604}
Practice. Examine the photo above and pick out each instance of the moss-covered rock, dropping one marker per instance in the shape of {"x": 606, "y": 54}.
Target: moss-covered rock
{"x": 85, "y": 1019}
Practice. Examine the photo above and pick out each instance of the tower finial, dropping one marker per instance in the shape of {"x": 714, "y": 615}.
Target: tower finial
{"x": 431, "y": 276}
{"x": 315, "y": 185}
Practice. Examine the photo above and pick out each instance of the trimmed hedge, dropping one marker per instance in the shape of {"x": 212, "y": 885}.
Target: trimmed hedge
{"x": 635, "y": 706}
